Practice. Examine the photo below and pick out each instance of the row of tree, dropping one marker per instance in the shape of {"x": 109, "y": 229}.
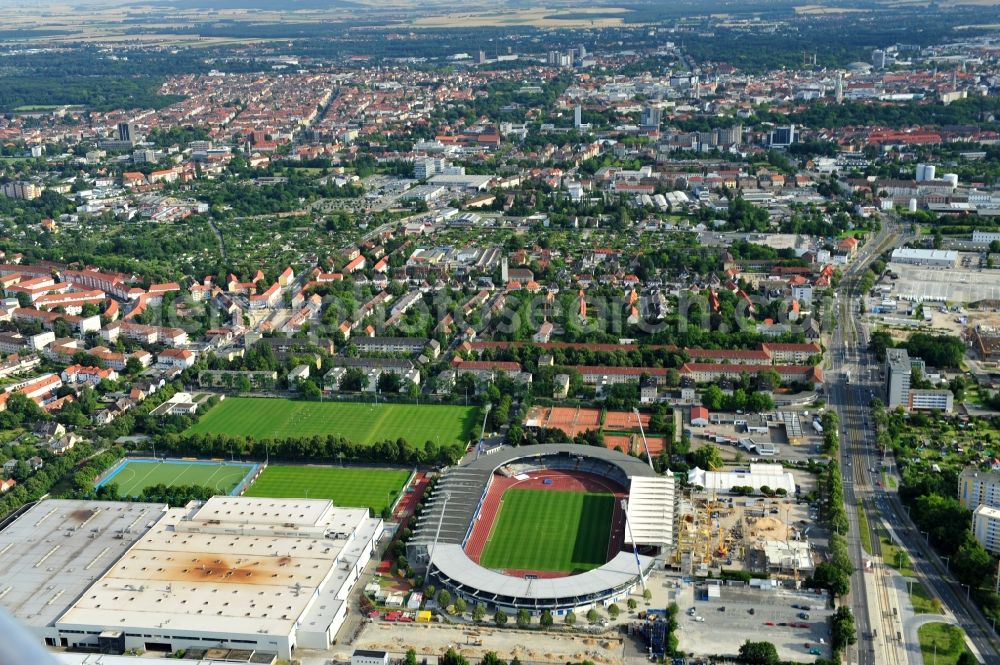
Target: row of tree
{"x": 314, "y": 448}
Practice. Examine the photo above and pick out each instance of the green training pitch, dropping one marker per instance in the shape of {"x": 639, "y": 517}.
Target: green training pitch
{"x": 548, "y": 530}
{"x": 137, "y": 475}
{"x": 264, "y": 418}
{"x": 349, "y": 487}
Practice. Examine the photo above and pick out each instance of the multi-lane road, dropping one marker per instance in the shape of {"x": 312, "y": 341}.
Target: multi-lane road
{"x": 854, "y": 379}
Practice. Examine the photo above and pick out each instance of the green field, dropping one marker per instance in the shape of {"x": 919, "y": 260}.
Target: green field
{"x": 549, "y": 530}
{"x": 923, "y": 602}
{"x": 264, "y": 418}
{"x": 349, "y": 487}
{"x": 137, "y": 475}
{"x": 941, "y": 643}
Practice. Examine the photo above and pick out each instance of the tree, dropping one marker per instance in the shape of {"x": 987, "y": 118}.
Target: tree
{"x": 712, "y": 398}
{"x": 523, "y": 618}
{"x": 614, "y": 610}
{"x": 491, "y": 658}
{"x": 353, "y": 380}
{"x": 967, "y": 658}
{"x": 243, "y": 384}
{"x": 546, "y": 619}
{"x": 309, "y": 389}
{"x": 758, "y": 653}
{"x": 389, "y": 383}
{"x": 972, "y": 564}
{"x": 460, "y": 606}
{"x": 133, "y": 366}
{"x": 443, "y": 598}
{"x": 707, "y": 457}
{"x": 21, "y": 471}
{"x": 478, "y": 612}
{"x": 592, "y": 615}
{"x": 411, "y": 657}
{"x": 570, "y": 619}
{"x": 452, "y": 657}
{"x": 842, "y": 630}
{"x": 500, "y": 618}
{"x": 631, "y": 603}
{"x": 831, "y": 577}
{"x": 647, "y": 595}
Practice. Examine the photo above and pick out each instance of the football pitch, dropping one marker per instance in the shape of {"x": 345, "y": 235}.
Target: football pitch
{"x": 548, "y": 530}
{"x": 133, "y": 476}
{"x": 344, "y": 486}
{"x": 265, "y": 418}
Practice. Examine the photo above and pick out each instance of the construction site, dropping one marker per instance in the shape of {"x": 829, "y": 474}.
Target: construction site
{"x": 755, "y": 534}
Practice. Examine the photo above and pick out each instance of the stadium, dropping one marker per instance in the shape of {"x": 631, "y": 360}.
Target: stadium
{"x": 555, "y": 528}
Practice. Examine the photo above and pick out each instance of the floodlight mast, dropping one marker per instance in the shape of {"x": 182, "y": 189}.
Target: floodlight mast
{"x": 635, "y": 548}
{"x": 482, "y": 432}
{"x": 645, "y": 444}
{"x": 444, "y": 498}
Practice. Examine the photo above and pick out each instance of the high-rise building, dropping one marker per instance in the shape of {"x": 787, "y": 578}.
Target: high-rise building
{"x": 583, "y": 51}
{"x": 838, "y": 90}
{"x": 782, "y": 137}
{"x": 20, "y": 189}
{"x": 482, "y": 57}
{"x": 730, "y": 135}
{"x": 897, "y": 378}
{"x": 650, "y": 118}
{"x": 578, "y": 116}
{"x": 878, "y": 59}
{"x": 978, "y": 488}
{"x": 986, "y": 527}
{"x": 126, "y": 132}
{"x": 554, "y": 58}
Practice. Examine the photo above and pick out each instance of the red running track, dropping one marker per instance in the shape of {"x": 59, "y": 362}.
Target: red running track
{"x": 565, "y": 481}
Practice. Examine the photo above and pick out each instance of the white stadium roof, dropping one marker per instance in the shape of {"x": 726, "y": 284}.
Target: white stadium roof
{"x": 651, "y": 507}
{"x": 452, "y": 561}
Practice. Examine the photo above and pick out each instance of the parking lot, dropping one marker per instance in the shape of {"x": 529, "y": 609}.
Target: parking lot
{"x": 712, "y": 630}
{"x": 963, "y": 283}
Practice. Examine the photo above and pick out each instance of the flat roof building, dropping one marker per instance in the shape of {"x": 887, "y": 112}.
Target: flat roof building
{"x": 56, "y": 550}
{"x": 759, "y": 475}
{"x": 977, "y": 488}
{"x": 932, "y": 400}
{"x": 935, "y": 258}
{"x": 897, "y": 378}
{"x": 986, "y": 527}
{"x": 270, "y": 575}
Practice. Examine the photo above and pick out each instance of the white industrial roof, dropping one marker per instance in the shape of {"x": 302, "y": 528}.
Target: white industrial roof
{"x": 924, "y": 254}
{"x": 55, "y": 550}
{"x": 759, "y": 475}
{"x": 791, "y": 555}
{"x": 236, "y": 565}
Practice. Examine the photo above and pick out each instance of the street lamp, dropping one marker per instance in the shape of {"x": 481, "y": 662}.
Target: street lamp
{"x": 947, "y": 562}
{"x": 927, "y": 537}
{"x": 968, "y": 592}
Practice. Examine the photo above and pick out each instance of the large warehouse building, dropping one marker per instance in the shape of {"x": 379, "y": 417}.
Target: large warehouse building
{"x": 935, "y": 258}
{"x": 262, "y": 575}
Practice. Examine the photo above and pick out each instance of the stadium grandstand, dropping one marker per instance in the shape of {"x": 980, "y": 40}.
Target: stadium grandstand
{"x": 463, "y": 519}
